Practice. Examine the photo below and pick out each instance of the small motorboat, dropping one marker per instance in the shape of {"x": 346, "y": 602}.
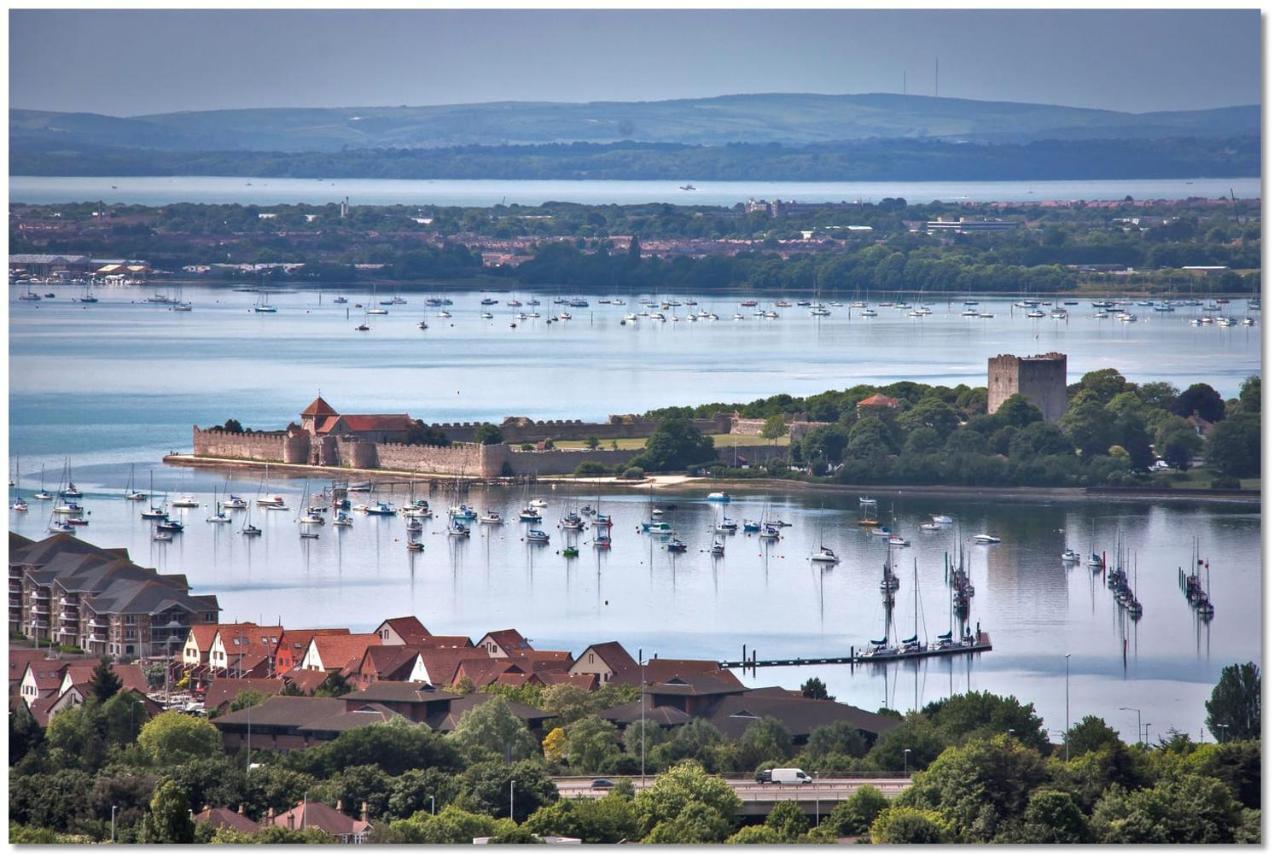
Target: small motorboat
{"x": 414, "y": 545}
{"x": 655, "y": 527}
{"x": 930, "y": 525}
{"x": 537, "y": 536}
{"x": 235, "y": 502}
{"x": 530, "y": 514}
{"x": 42, "y": 495}
{"x": 413, "y": 526}
{"x": 718, "y": 497}
{"x": 1070, "y": 556}
{"x": 459, "y": 530}
{"x": 71, "y": 508}
{"x": 218, "y": 518}
{"x": 677, "y": 545}
{"x": 77, "y": 521}
{"x": 381, "y": 508}
{"x": 985, "y": 539}
{"x": 717, "y": 549}
{"x": 19, "y": 505}
{"x": 727, "y": 526}
{"x": 251, "y": 530}
{"x": 881, "y": 531}
{"x": 899, "y": 541}
{"x": 462, "y": 512}
{"x": 170, "y": 525}
{"x": 153, "y": 513}
{"x": 750, "y": 527}
{"x": 538, "y": 503}
{"x": 1095, "y": 561}
{"x": 159, "y": 536}
{"x": 186, "y": 502}
{"x": 776, "y": 522}
{"x": 342, "y": 520}
{"x": 491, "y": 517}
{"x": 941, "y": 519}
{"x": 770, "y": 534}
{"x": 824, "y": 555}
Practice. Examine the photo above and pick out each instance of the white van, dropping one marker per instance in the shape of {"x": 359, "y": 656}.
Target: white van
{"x": 784, "y": 776}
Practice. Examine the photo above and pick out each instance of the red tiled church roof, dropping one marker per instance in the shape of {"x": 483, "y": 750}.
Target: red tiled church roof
{"x": 319, "y": 408}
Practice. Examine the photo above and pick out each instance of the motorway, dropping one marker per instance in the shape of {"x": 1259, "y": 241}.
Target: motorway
{"x": 757, "y": 798}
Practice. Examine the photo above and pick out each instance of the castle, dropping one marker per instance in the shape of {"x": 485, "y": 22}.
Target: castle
{"x": 1041, "y": 380}
{"x": 326, "y": 437}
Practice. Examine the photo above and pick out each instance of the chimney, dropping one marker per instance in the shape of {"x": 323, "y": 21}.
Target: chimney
{"x": 291, "y": 817}
{"x": 364, "y": 811}
{"x": 339, "y": 806}
{"x": 241, "y": 809}
{"x": 271, "y": 816}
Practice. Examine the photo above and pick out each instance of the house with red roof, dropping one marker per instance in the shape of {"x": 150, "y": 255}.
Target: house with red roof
{"x": 402, "y": 630}
{"x": 320, "y": 419}
{"x": 503, "y": 643}
{"x": 605, "y": 661}
{"x": 332, "y": 820}
{"x": 293, "y": 646}
{"x": 221, "y": 816}
{"x": 342, "y": 653}
{"x": 877, "y": 402}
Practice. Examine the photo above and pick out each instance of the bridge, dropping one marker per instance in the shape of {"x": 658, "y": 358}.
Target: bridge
{"x": 759, "y": 799}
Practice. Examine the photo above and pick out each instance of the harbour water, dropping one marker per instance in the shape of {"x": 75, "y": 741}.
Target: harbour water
{"x": 155, "y": 191}
{"x": 122, "y": 381}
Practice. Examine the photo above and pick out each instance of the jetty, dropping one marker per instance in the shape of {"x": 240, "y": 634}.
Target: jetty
{"x": 981, "y": 643}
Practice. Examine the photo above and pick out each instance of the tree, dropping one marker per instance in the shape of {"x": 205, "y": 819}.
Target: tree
{"x": 788, "y": 820}
{"x": 487, "y": 787}
{"x": 931, "y": 413}
{"x": 985, "y": 714}
{"x": 1180, "y": 447}
{"x": 600, "y": 820}
{"x": 414, "y": 790}
{"x": 124, "y": 716}
{"x": 675, "y": 444}
{"x": 1091, "y": 734}
{"x": 840, "y": 737}
{"x": 171, "y": 738}
{"x": 78, "y": 738}
{"x": 169, "y": 821}
{"x": 421, "y": 434}
{"x": 1190, "y": 810}
{"x": 25, "y": 734}
{"x": 553, "y": 745}
{"x": 593, "y": 442}
{"x": 592, "y": 745}
{"x": 452, "y": 826}
{"x": 1251, "y": 395}
{"x": 685, "y": 803}
{"x": 1235, "y": 705}
{"x": 393, "y": 747}
{"x": 979, "y": 786}
{"x": 814, "y": 688}
{"x": 333, "y": 686}
{"x": 1037, "y": 439}
{"x": 488, "y": 433}
{"x": 1016, "y": 412}
{"x": 1102, "y": 385}
{"x": 757, "y": 834}
{"x": 492, "y": 728}
{"x": 825, "y": 443}
{"x": 698, "y": 740}
{"x": 765, "y": 739}
{"x": 1090, "y": 427}
{"x": 356, "y": 786}
{"x": 854, "y": 815}
{"x": 1200, "y": 399}
{"x": 906, "y": 825}
{"x": 233, "y": 425}
{"x": 104, "y": 683}
{"x": 1053, "y": 818}
{"x": 1235, "y": 446}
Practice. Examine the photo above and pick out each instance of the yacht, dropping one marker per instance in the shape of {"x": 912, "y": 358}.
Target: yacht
{"x": 538, "y": 503}
{"x": 270, "y": 500}
{"x": 824, "y": 555}
{"x": 19, "y": 505}
{"x": 940, "y": 519}
{"x": 186, "y": 502}
{"x": 985, "y": 539}
{"x": 342, "y": 520}
{"x": 381, "y": 508}
{"x": 897, "y": 540}
{"x": 491, "y": 517}
{"x": 1070, "y": 556}
{"x": 530, "y": 514}
{"x": 536, "y": 536}
{"x": 235, "y": 502}
{"x": 376, "y": 312}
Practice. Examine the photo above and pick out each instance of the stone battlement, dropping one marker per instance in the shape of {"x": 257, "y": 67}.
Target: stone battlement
{"x": 1040, "y": 379}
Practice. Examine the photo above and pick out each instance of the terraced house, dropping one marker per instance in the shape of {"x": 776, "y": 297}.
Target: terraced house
{"x": 66, "y": 590}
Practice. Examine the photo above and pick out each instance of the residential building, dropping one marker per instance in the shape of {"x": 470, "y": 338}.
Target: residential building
{"x": 342, "y": 653}
{"x": 310, "y": 814}
{"x": 503, "y": 643}
{"x": 221, "y": 816}
{"x": 293, "y": 646}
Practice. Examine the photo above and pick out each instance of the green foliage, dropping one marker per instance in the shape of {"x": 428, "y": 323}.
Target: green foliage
{"x": 25, "y": 734}
{"x": 687, "y": 805}
{"x": 1091, "y": 734}
{"x": 1200, "y": 399}
{"x": 979, "y": 786}
{"x": 452, "y": 825}
{"x": 774, "y": 427}
{"x": 104, "y": 683}
{"x": 172, "y": 737}
{"x": 592, "y": 745}
{"x": 591, "y": 468}
{"x": 488, "y": 433}
{"x": 915, "y": 733}
{"x": 1250, "y": 395}
{"x": 491, "y": 727}
{"x": 413, "y": 790}
{"x": 854, "y": 815}
{"x": 676, "y": 444}
{"x": 816, "y": 689}
{"x": 698, "y": 740}
{"x": 905, "y": 825}
{"x": 486, "y": 787}
{"x": 1235, "y": 446}
{"x": 393, "y": 747}
{"x": 356, "y": 786}
{"x": 169, "y": 821}
{"x": 332, "y": 686}
{"x": 788, "y": 819}
{"x": 78, "y": 737}
{"x": 765, "y": 740}
{"x": 757, "y": 834}
{"x": 55, "y": 800}
{"x": 275, "y": 835}
{"x": 984, "y": 714}
{"x": 1193, "y": 810}
{"x": 1235, "y": 705}
{"x": 839, "y": 737}
{"x": 600, "y": 820}
{"x": 1052, "y": 818}
{"x": 420, "y": 434}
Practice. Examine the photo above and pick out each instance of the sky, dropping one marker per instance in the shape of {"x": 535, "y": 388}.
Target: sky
{"x": 128, "y": 63}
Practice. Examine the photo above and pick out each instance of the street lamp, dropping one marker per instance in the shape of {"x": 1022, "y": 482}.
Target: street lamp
{"x": 1138, "y": 711}
{"x": 114, "y": 807}
{"x": 433, "y": 803}
{"x": 1223, "y": 726}
{"x": 1147, "y": 732}
{"x": 905, "y": 768}
{"x": 513, "y": 801}
{"x": 1066, "y": 744}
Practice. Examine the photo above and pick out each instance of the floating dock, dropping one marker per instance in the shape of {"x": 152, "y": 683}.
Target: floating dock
{"x": 980, "y": 644}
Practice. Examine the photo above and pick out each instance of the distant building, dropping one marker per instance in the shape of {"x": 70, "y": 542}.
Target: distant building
{"x": 971, "y": 226}
{"x": 877, "y": 402}
{"x": 1041, "y": 380}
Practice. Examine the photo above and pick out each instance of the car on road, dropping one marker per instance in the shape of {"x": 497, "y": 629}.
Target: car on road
{"x": 784, "y": 776}
{"x": 601, "y": 783}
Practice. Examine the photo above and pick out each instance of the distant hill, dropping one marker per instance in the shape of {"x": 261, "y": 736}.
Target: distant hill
{"x": 782, "y": 118}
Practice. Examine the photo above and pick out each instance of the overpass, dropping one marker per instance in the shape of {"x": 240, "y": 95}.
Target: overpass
{"x": 759, "y": 799}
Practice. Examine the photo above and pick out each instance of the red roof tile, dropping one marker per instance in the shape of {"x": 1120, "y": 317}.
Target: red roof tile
{"x": 319, "y": 408}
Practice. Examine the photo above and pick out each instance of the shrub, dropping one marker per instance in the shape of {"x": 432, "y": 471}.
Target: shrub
{"x": 591, "y": 468}
{"x": 904, "y": 825}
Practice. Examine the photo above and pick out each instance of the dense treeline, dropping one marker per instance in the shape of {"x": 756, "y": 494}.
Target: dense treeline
{"x": 1042, "y": 257}
{"x": 1112, "y": 434}
{"x": 984, "y": 770}
{"x": 870, "y": 160}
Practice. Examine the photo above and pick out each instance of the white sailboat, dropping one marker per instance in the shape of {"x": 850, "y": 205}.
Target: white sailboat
{"x": 132, "y": 493}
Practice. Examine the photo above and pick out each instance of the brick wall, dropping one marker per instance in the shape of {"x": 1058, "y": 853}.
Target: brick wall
{"x": 255, "y": 446}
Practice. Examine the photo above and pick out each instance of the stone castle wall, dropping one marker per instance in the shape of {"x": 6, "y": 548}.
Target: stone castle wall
{"x": 1041, "y": 380}
{"x": 519, "y": 430}
{"x": 255, "y": 446}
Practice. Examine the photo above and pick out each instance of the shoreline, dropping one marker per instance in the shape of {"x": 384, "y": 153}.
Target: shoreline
{"x": 677, "y": 482}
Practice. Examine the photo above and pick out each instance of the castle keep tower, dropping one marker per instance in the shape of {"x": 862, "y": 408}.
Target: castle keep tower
{"x": 1041, "y": 380}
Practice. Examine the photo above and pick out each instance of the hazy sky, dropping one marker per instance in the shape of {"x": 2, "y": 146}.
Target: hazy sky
{"x": 138, "y": 62}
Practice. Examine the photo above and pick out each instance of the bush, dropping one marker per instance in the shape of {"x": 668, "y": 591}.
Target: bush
{"x": 1224, "y": 482}
{"x": 633, "y": 472}
{"x": 854, "y": 815}
{"x": 591, "y": 468}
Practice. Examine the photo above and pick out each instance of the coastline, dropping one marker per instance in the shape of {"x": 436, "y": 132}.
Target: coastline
{"x": 678, "y": 482}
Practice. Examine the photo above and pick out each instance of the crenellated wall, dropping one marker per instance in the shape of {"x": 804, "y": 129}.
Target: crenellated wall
{"x": 524, "y": 430}
{"x": 255, "y": 446}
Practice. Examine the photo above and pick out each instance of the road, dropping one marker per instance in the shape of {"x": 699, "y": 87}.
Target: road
{"x": 757, "y": 798}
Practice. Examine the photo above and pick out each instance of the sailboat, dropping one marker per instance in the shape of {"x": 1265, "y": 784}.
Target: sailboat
{"x": 43, "y": 493}
{"x": 272, "y": 500}
{"x": 218, "y": 517}
{"x": 130, "y": 493}
{"x": 154, "y": 512}
{"x": 71, "y": 490}
{"x": 306, "y": 518}
{"x": 824, "y": 554}
{"x": 262, "y": 306}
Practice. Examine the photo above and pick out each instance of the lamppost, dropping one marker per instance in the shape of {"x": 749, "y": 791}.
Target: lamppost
{"x": 1138, "y": 711}
{"x": 1147, "y": 732}
{"x": 905, "y": 754}
{"x": 1223, "y": 726}
{"x": 1066, "y": 744}
{"x": 433, "y": 803}
{"x": 513, "y": 800}
{"x": 113, "y": 823}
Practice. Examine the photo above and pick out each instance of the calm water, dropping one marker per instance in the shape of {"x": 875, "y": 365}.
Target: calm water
{"x": 486, "y": 193}
{"x": 122, "y": 382}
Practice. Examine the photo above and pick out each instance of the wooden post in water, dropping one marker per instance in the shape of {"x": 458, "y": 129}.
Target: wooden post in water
{"x": 744, "y": 656}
